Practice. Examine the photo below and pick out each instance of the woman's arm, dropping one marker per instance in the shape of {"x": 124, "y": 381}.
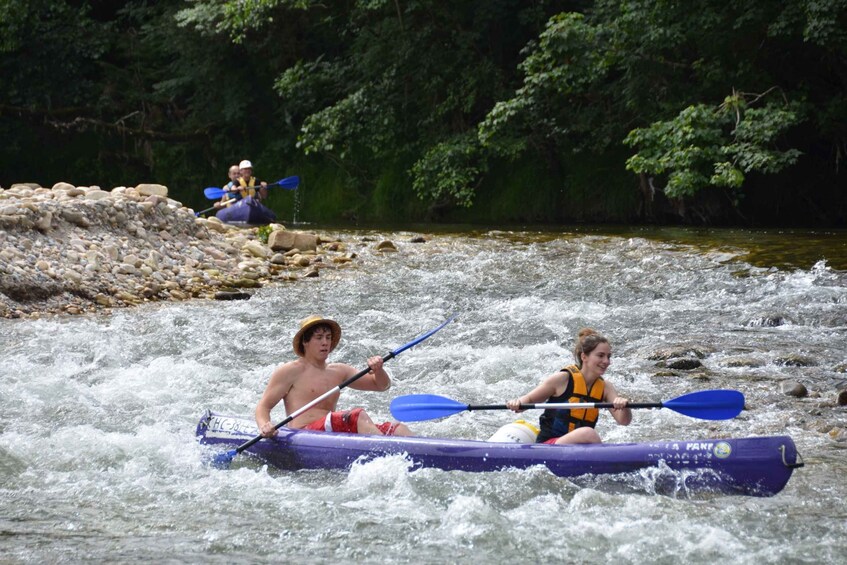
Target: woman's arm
{"x": 554, "y": 385}
{"x": 620, "y": 412}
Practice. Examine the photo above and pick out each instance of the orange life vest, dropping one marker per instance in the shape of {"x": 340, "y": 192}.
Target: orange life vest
{"x": 556, "y": 423}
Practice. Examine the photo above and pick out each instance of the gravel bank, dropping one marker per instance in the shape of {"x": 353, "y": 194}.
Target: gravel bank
{"x": 74, "y": 250}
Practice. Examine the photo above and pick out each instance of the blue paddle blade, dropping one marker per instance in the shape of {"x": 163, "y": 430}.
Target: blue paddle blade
{"x": 708, "y": 404}
{"x": 417, "y": 407}
{"x": 213, "y": 192}
{"x": 223, "y": 460}
{"x": 289, "y": 183}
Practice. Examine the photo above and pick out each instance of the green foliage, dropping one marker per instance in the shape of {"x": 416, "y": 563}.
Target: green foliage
{"x": 564, "y": 65}
{"x": 820, "y": 22}
{"x": 131, "y": 91}
{"x": 69, "y": 49}
{"x": 410, "y": 107}
{"x": 592, "y": 76}
{"x": 263, "y": 233}
{"x": 401, "y": 82}
{"x": 705, "y": 146}
{"x": 352, "y": 126}
{"x": 449, "y": 171}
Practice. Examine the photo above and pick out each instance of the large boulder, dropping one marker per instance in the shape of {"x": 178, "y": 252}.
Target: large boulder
{"x": 152, "y": 190}
{"x": 287, "y": 240}
{"x": 96, "y": 194}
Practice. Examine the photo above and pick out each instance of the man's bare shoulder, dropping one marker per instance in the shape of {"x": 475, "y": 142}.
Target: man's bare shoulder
{"x": 341, "y": 368}
{"x": 289, "y": 369}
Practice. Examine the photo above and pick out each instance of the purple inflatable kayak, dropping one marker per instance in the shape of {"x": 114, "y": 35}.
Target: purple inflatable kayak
{"x": 248, "y": 211}
{"x": 756, "y": 466}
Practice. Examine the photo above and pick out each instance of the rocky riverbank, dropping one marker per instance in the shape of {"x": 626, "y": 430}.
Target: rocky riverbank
{"x": 72, "y": 250}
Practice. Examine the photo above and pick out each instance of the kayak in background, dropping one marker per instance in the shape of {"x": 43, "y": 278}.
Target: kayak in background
{"x": 756, "y": 466}
{"x": 247, "y": 211}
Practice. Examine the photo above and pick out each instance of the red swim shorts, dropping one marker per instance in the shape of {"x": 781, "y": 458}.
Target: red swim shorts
{"x": 346, "y": 421}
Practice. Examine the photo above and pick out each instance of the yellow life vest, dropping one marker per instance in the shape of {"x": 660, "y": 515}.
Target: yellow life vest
{"x": 556, "y": 423}
{"x": 248, "y": 189}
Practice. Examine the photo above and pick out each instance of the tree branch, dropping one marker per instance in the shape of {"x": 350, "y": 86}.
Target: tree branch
{"x": 81, "y": 123}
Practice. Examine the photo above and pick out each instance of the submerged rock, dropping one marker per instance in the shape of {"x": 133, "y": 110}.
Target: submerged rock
{"x": 684, "y": 364}
{"x": 743, "y": 362}
{"x": 795, "y": 360}
{"x": 679, "y": 351}
{"x": 386, "y": 246}
{"x": 767, "y": 321}
{"x": 794, "y": 388}
{"x": 232, "y": 295}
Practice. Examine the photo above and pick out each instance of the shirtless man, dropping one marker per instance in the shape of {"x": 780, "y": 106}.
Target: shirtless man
{"x": 301, "y": 381}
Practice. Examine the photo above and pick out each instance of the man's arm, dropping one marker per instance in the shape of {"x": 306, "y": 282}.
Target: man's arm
{"x": 278, "y": 387}
{"x": 377, "y": 379}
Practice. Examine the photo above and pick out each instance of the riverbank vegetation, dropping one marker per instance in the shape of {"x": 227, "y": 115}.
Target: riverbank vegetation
{"x": 496, "y": 111}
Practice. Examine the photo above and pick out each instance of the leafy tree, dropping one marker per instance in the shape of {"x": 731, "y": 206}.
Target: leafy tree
{"x": 438, "y": 99}
{"x": 597, "y": 79}
{"x": 129, "y": 92}
{"x": 706, "y": 146}
{"x": 393, "y": 83}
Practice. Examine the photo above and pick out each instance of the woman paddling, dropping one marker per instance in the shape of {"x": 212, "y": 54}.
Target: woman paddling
{"x": 582, "y": 382}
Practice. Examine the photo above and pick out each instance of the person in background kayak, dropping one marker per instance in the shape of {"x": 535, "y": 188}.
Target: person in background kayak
{"x": 582, "y": 382}
{"x": 247, "y": 184}
{"x": 234, "y": 174}
{"x": 299, "y": 382}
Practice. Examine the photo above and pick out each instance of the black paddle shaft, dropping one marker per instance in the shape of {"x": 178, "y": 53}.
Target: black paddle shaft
{"x": 541, "y": 406}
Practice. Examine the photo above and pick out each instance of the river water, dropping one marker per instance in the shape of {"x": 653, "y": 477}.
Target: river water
{"x": 98, "y": 460}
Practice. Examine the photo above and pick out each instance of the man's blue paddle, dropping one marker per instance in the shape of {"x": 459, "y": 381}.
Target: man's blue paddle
{"x": 223, "y": 460}
{"x": 288, "y": 183}
{"x": 705, "y": 404}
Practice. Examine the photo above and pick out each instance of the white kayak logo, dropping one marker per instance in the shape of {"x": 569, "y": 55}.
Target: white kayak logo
{"x": 721, "y": 449}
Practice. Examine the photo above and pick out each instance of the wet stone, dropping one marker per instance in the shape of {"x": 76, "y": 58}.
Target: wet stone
{"x": 794, "y": 388}
{"x": 794, "y": 360}
{"x": 232, "y": 295}
{"x": 767, "y": 322}
{"x": 684, "y": 364}
{"x": 678, "y": 351}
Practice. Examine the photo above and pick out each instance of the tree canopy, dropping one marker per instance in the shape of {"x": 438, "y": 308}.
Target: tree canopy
{"x": 499, "y": 110}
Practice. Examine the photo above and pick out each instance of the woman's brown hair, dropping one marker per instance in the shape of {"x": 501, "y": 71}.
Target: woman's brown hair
{"x": 586, "y": 341}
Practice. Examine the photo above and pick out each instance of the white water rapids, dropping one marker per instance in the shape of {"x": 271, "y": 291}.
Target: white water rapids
{"x": 98, "y": 460}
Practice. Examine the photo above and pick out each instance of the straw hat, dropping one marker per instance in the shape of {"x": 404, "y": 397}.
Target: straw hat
{"x": 311, "y": 322}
